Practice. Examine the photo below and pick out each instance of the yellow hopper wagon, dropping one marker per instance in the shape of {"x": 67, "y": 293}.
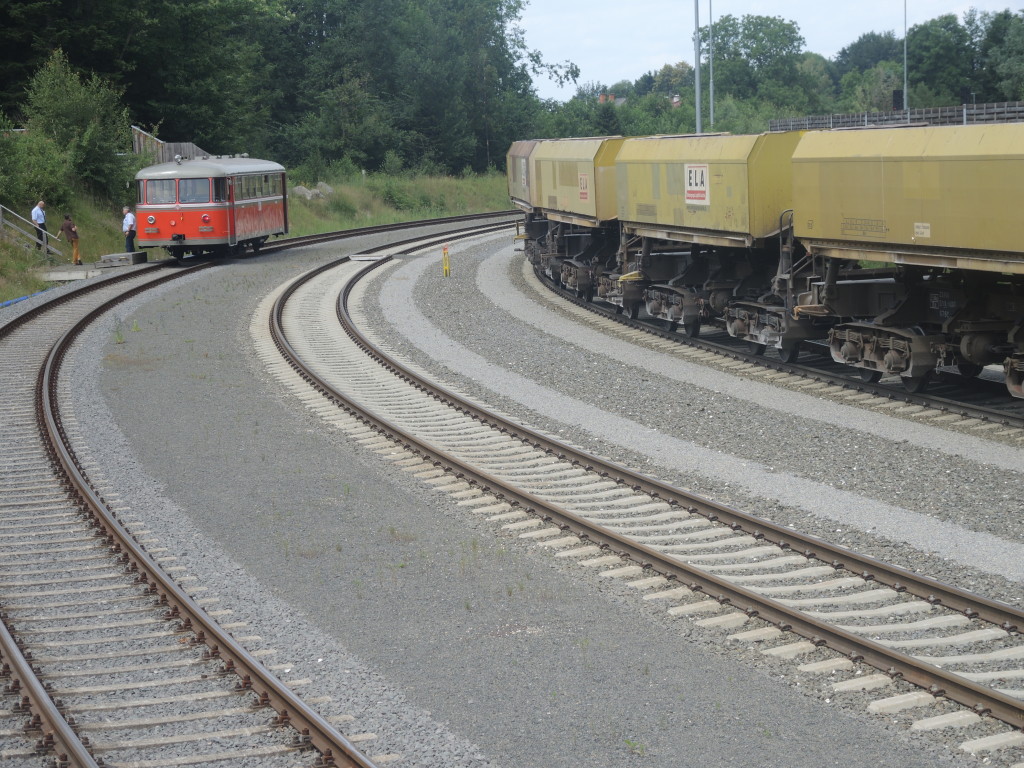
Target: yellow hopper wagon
{"x": 938, "y": 206}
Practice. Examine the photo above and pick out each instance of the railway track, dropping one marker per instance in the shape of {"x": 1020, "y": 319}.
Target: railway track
{"x": 105, "y": 658}
{"x": 131, "y": 669}
{"x": 983, "y": 399}
{"x": 912, "y": 642}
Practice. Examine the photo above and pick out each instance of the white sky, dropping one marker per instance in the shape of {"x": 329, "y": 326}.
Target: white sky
{"x": 613, "y": 40}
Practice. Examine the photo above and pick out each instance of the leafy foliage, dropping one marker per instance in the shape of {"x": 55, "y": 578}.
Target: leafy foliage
{"x": 868, "y": 51}
{"x": 32, "y": 167}
{"x": 89, "y": 128}
{"x": 440, "y": 85}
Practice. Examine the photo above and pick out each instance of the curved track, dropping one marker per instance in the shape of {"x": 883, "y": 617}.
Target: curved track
{"x": 983, "y": 399}
{"x": 761, "y": 581}
{"x": 107, "y": 659}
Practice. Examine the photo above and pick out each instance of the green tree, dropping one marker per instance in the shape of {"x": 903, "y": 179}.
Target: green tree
{"x": 1009, "y": 55}
{"x": 939, "y": 58}
{"x": 211, "y": 80}
{"x": 105, "y": 37}
{"x": 988, "y": 32}
{"x": 86, "y": 120}
{"x": 673, "y": 79}
{"x": 868, "y": 51}
{"x": 817, "y": 77}
{"x": 607, "y": 120}
{"x": 871, "y": 90}
{"x": 624, "y": 89}
{"x": 644, "y": 84}
{"x": 757, "y": 56}
{"x": 32, "y": 167}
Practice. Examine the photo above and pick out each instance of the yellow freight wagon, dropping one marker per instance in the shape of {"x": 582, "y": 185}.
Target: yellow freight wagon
{"x": 937, "y": 196}
{"x": 574, "y": 179}
{"x": 520, "y": 173}
{"x": 711, "y": 189}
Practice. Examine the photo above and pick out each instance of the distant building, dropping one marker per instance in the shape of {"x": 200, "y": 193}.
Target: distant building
{"x": 609, "y": 98}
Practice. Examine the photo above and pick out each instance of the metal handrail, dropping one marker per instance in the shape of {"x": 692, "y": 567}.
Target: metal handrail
{"x": 7, "y": 219}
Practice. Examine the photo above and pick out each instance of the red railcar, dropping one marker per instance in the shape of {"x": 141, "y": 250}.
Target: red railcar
{"x": 210, "y": 205}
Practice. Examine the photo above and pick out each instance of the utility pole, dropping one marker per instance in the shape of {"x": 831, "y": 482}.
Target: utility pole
{"x": 696, "y": 68}
{"x": 711, "y": 65}
{"x": 906, "y": 94}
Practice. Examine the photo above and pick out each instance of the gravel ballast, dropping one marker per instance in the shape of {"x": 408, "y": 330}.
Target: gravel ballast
{"x": 456, "y": 645}
{"x": 791, "y": 457}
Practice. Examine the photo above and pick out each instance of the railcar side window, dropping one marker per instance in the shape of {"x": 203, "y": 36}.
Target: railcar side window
{"x": 194, "y": 190}
{"x": 140, "y": 191}
{"x": 160, "y": 191}
{"x": 220, "y": 190}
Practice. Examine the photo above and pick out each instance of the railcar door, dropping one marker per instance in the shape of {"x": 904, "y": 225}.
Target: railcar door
{"x": 284, "y": 199}
{"x": 233, "y": 192}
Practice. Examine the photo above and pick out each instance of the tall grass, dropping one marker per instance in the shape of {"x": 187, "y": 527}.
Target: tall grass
{"x": 355, "y": 201}
{"x": 358, "y": 201}
{"x": 99, "y": 233}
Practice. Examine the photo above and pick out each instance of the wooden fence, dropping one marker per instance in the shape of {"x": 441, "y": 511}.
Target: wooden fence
{"x": 163, "y": 151}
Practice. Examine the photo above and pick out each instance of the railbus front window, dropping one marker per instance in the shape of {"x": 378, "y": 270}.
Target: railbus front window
{"x": 160, "y": 191}
{"x": 194, "y": 190}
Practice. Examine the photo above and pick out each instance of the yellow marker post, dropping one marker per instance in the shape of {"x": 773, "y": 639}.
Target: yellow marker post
{"x": 446, "y": 264}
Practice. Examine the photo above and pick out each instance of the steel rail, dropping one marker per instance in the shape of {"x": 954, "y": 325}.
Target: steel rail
{"x": 935, "y": 402}
{"x": 302, "y": 240}
{"x": 937, "y": 681}
{"x": 295, "y": 242}
{"x": 71, "y": 295}
{"x": 900, "y": 579}
{"x": 57, "y": 735}
{"x": 313, "y": 729}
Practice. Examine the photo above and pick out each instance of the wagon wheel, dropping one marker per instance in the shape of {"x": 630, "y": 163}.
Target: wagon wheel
{"x": 755, "y": 348}
{"x": 692, "y": 328}
{"x": 969, "y": 370}
{"x": 869, "y": 375}
{"x": 789, "y": 353}
{"x": 915, "y": 385}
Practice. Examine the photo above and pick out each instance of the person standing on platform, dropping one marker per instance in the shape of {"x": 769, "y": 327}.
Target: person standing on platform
{"x": 39, "y": 220}
{"x": 128, "y": 227}
{"x": 70, "y": 232}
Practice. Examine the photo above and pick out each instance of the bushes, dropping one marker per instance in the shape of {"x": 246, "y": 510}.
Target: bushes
{"x": 77, "y": 135}
{"x": 32, "y": 168}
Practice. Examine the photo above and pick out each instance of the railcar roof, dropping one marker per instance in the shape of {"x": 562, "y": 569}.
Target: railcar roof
{"x": 209, "y": 167}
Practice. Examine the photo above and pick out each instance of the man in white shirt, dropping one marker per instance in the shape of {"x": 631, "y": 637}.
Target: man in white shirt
{"x": 128, "y": 227}
{"x": 39, "y": 219}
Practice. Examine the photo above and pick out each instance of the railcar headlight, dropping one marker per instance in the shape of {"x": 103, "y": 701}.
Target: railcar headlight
{"x": 151, "y": 219}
